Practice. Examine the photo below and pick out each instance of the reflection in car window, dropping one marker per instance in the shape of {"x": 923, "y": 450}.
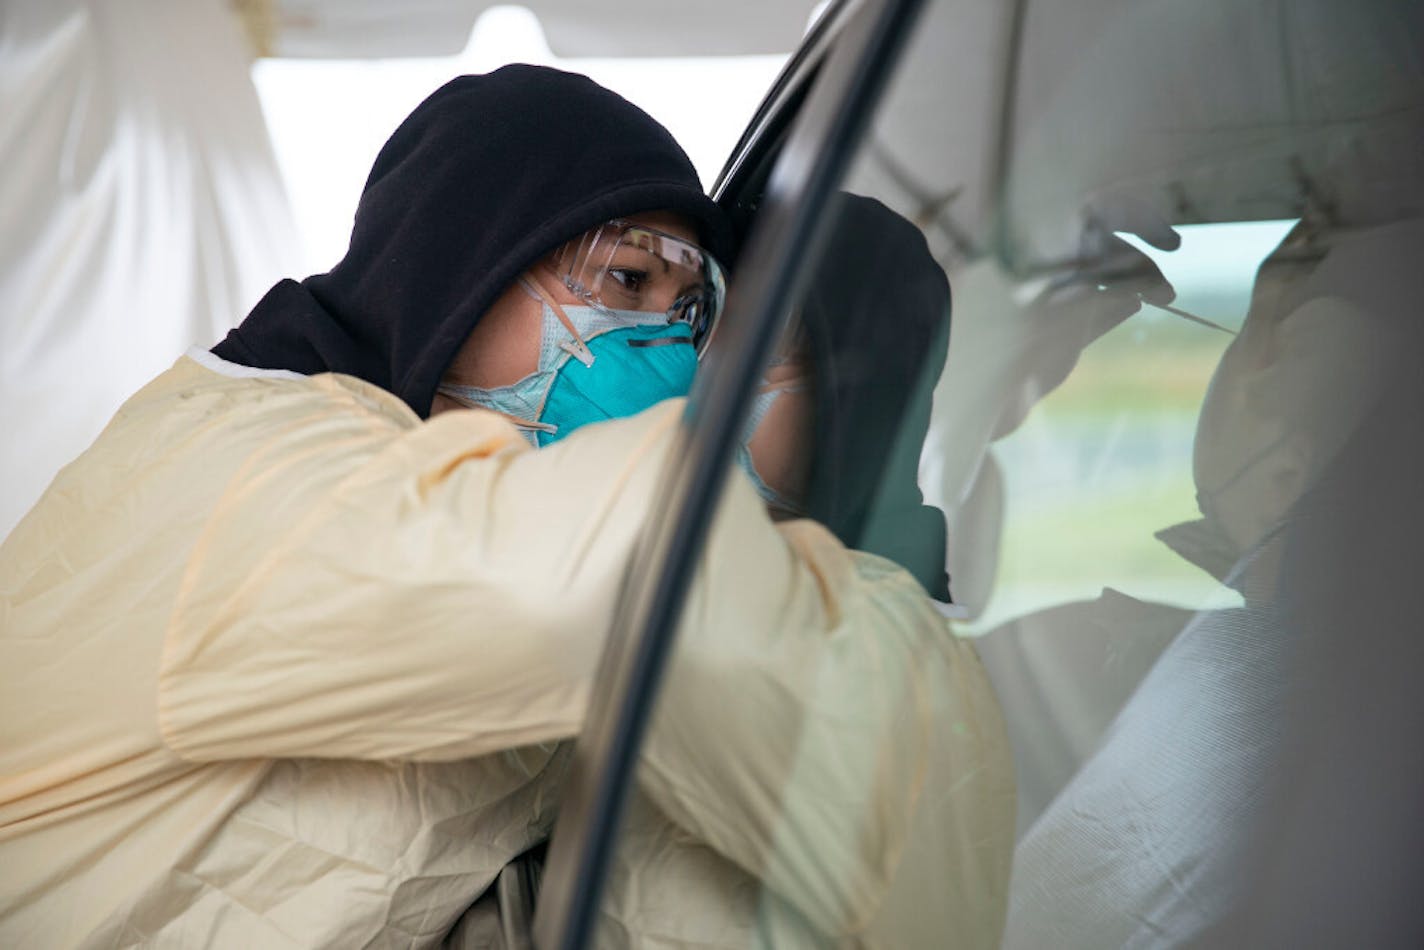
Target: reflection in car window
{"x": 1179, "y": 296}
{"x": 1114, "y": 442}
{"x": 819, "y": 731}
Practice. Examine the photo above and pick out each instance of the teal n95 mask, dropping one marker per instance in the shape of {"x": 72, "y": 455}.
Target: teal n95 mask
{"x": 595, "y": 363}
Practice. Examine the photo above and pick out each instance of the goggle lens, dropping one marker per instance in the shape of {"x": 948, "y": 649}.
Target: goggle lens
{"x": 625, "y": 266}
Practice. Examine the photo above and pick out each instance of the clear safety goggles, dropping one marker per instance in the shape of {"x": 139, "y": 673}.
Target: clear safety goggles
{"x": 620, "y": 265}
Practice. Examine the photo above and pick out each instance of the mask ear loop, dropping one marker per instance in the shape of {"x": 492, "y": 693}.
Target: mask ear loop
{"x": 760, "y": 409}
{"x": 518, "y": 422}
{"x": 795, "y": 384}
{"x": 576, "y": 348}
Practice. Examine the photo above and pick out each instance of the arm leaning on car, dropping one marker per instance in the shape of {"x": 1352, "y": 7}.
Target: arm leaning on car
{"x": 373, "y": 587}
{"x": 823, "y": 730}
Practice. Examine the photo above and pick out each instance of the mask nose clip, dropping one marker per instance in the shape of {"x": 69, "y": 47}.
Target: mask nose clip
{"x": 663, "y": 341}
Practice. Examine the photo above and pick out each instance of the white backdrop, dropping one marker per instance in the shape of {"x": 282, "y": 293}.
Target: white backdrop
{"x": 143, "y": 212}
{"x": 328, "y": 117}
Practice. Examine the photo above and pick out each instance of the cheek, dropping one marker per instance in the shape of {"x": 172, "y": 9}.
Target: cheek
{"x": 781, "y": 445}
{"x": 504, "y": 347}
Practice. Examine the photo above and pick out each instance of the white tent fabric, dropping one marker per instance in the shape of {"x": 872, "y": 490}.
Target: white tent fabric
{"x": 380, "y": 28}
{"x": 1038, "y": 108}
{"x": 1330, "y": 116}
{"x": 143, "y": 212}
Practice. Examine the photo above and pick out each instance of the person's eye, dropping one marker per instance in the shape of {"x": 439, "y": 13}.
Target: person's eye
{"x": 630, "y": 280}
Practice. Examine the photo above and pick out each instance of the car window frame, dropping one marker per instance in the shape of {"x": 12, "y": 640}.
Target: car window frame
{"x": 822, "y": 104}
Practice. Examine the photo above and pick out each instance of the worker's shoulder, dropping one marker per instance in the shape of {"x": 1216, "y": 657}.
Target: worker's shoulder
{"x": 866, "y": 588}
{"x": 209, "y": 418}
{"x": 202, "y": 383}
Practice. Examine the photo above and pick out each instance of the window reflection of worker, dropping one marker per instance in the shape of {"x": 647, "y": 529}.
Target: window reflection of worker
{"x": 839, "y": 421}
{"x": 837, "y": 426}
{"x": 289, "y": 653}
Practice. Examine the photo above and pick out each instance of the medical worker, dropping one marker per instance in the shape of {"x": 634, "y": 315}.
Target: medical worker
{"x": 290, "y": 656}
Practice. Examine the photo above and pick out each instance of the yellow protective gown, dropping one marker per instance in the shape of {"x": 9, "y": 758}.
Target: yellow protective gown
{"x": 283, "y": 665}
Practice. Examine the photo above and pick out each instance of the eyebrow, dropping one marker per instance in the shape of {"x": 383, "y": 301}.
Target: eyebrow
{"x": 624, "y": 242}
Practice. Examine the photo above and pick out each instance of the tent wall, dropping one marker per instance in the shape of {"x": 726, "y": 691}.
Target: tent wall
{"x": 143, "y": 212}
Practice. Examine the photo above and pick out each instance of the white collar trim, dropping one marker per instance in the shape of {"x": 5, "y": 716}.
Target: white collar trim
{"x": 952, "y": 611}
{"x": 210, "y": 360}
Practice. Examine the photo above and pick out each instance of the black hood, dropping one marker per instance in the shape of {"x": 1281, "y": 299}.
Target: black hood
{"x": 877, "y": 322}
{"x": 481, "y": 180}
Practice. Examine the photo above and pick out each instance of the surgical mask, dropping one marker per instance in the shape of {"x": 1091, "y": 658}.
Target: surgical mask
{"x": 595, "y": 363}
{"x": 761, "y": 406}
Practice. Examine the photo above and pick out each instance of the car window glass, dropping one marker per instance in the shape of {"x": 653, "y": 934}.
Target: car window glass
{"x": 1107, "y": 300}
{"x": 1102, "y": 465}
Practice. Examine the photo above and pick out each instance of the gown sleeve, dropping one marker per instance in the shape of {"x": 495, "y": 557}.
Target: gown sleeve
{"x": 818, "y": 712}
{"x": 433, "y": 592}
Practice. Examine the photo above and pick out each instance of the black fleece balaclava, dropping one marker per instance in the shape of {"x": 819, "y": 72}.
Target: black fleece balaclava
{"x": 877, "y": 323}
{"x": 480, "y": 181}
